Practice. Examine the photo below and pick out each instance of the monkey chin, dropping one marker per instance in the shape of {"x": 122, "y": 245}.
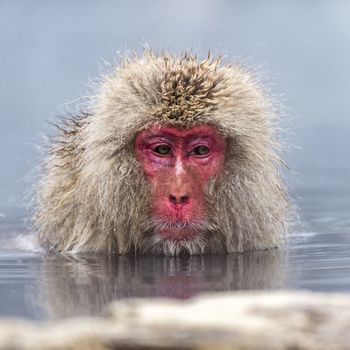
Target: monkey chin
{"x": 179, "y": 230}
{"x": 178, "y": 237}
{"x": 161, "y": 245}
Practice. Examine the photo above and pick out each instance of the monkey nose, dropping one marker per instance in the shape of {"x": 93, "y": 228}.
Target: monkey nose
{"x": 179, "y": 200}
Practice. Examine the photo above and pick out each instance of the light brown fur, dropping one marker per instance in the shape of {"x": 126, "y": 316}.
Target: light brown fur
{"x": 93, "y": 195}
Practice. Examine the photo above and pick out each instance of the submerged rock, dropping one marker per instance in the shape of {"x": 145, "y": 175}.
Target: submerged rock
{"x": 250, "y": 320}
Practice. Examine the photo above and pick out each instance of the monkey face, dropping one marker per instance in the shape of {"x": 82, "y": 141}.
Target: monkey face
{"x": 179, "y": 164}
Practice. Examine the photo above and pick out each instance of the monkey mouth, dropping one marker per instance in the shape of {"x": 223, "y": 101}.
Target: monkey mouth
{"x": 173, "y": 238}
{"x": 177, "y": 226}
{"x": 180, "y": 230}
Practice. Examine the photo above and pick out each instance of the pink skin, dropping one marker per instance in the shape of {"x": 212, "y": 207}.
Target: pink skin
{"x": 179, "y": 163}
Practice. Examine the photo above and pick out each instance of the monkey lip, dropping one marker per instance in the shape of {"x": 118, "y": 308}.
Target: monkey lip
{"x": 179, "y": 230}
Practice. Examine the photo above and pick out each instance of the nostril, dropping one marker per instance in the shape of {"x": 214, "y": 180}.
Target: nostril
{"x": 184, "y": 199}
{"x": 179, "y": 200}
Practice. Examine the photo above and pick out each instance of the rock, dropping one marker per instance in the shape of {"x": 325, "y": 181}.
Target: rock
{"x": 249, "y": 320}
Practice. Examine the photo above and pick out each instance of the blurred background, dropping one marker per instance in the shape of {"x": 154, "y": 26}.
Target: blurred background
{"x": 50, "y": 50}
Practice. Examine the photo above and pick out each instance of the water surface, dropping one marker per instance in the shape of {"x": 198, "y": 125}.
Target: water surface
{"x": 36, "y": 286}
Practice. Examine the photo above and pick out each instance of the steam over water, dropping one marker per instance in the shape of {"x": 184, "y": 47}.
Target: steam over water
{"x": 48, "y": 53}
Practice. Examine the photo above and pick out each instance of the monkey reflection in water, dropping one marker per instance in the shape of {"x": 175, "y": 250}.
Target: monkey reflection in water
{"x": 171, "y": 155}
{"x": 68, "y": 286}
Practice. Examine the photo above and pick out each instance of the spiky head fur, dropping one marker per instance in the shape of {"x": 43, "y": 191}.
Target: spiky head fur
{"x": 93, "y": 195}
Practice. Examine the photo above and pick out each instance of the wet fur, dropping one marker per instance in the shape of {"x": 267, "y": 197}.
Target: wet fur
{"x": 93, "y": 195}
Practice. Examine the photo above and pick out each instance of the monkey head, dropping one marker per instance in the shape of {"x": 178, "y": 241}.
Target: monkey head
{"x": 172, "y": 155}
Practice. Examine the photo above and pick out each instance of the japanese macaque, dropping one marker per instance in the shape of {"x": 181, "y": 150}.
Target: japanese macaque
{"x": 172, "y": 155}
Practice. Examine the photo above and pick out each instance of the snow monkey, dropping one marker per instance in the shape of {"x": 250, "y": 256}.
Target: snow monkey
{"x": 171, "y": 155}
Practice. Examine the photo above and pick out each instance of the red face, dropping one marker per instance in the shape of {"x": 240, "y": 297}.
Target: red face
{"x": 179, "y": 164}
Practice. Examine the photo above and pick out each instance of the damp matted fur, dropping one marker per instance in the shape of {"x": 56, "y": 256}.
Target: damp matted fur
{"x": 93, "y": 195}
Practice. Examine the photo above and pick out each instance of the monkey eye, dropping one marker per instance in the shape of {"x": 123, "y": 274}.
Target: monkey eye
{"x": 200, "y": 151}
{"x": 162, "y": 150}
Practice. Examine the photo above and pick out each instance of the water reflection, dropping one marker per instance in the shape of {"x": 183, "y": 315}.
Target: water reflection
{"x": 53, "y": 287}
{"x": 68, "y": 286}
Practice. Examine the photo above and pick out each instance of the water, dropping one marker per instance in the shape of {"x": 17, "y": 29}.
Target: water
{"x": 40, "y": 287}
